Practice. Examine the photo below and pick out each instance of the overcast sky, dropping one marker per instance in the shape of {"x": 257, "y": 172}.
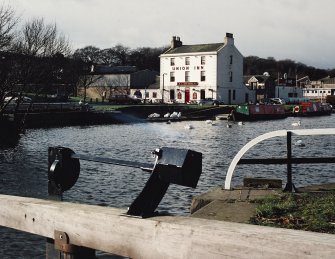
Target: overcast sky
{"x": 301, "y": 30}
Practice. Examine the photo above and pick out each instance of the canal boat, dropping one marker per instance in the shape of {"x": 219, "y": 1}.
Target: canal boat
{"x": 310, "y": 109}
{"x": 252, "y": 112}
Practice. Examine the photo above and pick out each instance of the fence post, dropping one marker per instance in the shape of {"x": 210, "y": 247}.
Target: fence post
{"x": 289, "y": 185}
{"x": 56, "y": 187}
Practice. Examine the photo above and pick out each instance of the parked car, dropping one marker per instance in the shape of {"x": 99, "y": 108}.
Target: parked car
{"x": 209, "y": 101}
{"x": 124, "y": 99}
{"x": 276, "y": 101}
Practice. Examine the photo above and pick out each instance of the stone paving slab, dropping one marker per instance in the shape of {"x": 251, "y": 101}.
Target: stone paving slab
{"x": 239, "y": 211}
{"x": 237, "y": 205}
{"x": 229, "y": 196}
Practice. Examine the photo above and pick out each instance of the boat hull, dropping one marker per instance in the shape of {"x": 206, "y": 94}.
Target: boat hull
{"x": 252, "y": 112}
{"x": 236, "y": 116}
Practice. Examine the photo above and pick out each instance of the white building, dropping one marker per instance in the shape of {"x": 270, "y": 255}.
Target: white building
{"x": 193, "y": 72}
{"x": 287, "y": 88}
{"x": 318, "y": 90}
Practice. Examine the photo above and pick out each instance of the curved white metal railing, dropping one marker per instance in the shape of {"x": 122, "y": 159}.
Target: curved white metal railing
{"x": 272, "y": 134}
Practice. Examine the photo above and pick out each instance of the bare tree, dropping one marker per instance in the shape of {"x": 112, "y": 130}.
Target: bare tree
{"x": 88, "y": 54}
{"x": 102, "y": 90}
{"x": 8, "y": 70}
{"x": 8, "y": 22}
{"x": 86, "y": 80}
{"x": 42, "y": 40}
{"x": 118, "y": 84}
{"x": 41, "y": 45}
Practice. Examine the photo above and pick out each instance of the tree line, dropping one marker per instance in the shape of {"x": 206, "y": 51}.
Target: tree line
{"x": 148, "y": 58}
{"x": 119, "y": 55}
{"x": 254, "y": 65}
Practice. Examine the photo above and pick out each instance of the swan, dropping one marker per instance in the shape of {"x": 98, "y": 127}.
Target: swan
{"x": 188, "y": 126}
{"x": 229, "y": 125}
{"x": 154, "y": 115}
{"x": 240, "y": 123}
{"x": 174, "y": 115}
{"x": 167, "y": 115}
{"x": 209, "y": 121}
{"x": 296, "y": 124}
{"x": 299, "y": 143}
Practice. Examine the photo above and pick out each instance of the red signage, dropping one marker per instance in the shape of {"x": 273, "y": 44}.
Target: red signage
{"x": 187, "y": 83}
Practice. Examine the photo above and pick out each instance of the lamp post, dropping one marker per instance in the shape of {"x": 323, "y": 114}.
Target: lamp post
{"x": 163, "y": 88}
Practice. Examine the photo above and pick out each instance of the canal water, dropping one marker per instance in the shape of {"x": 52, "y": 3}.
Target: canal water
{"x": 23, "y": 168}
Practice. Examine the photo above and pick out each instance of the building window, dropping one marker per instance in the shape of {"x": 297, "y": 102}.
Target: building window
{"x": 172, "y": 78}
{"x": 230, "y": 76}
{"x": 154, "y": 95}
{"x": 179, "y": 95}
{"x": 187, "y": 76}
{"x": 234, "y": 94}
{"x": 203, "y": 76}
{"x": 203, "y": 60}
{"x": 307, "y": 91}
{"x": 292, "y": 95}
{"x": 231, "y": 59}
{"x": 172, "y": 61}
{"x": 195, "y": 96}
{"x": 187, "y": 61}
{"x": 146, "y": 94}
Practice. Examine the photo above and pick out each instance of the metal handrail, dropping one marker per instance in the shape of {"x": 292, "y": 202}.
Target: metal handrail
{"x": 289, "y": 160}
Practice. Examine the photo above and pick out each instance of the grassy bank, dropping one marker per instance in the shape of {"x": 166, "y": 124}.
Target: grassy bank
{"x": 303, "y": 211}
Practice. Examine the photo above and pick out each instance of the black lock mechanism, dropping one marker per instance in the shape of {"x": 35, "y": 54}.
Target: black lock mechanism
{"x": 172, "y": 165}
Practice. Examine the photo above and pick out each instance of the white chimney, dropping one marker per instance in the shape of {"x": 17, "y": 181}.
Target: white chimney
{"x": 229, "y": 39}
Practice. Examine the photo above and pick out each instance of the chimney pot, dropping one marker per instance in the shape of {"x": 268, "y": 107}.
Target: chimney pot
{"x": 229, "y": 35}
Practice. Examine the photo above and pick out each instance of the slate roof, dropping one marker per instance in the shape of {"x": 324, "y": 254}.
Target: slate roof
{"x": 260, "y": 78}
{"x": 246, "y": 79}
{"x": 114, "y": 70}
{"x": 154, "y": 85}
{"x": 195, "y": 48}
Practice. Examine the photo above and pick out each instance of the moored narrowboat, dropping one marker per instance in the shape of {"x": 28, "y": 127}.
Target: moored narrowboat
{"x": 311, "y": 109}
{"x": 252, "y": 112}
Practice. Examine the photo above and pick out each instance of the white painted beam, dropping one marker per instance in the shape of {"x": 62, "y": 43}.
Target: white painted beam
{"x": 109, "y": 229}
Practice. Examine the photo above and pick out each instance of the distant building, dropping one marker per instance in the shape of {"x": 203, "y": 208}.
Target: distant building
{"x": 318, "y": 90}
{"x": 287, "y": 88}
{"x": 118, "y": 80}
{"x": 263, "y": 86}
{"x": 149, "y": 93}
{"x": 189, "y": 73}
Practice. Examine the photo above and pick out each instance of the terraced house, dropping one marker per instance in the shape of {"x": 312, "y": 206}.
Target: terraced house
{"x": 189, "y": 73}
